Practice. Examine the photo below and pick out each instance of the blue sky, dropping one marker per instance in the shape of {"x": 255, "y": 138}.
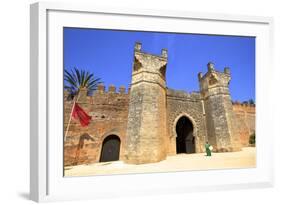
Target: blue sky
{"x": 109, "y": 55}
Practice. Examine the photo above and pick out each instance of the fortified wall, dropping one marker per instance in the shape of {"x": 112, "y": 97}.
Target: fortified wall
{"x": 190, "y": 105}
{"x": 245, "y": 115}
{"x": 149, "y": 122}
{"x": 109, "y": 112}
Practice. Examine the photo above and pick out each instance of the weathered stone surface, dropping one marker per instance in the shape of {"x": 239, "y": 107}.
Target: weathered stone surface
{"x": 145, "y": 118}
{"x": 180, "y": 103}
{"x": 109, "y": 112}
{"x": 146, "y": 130}
{"x": 220, "y": 118}
{"x": 245, "y": 116}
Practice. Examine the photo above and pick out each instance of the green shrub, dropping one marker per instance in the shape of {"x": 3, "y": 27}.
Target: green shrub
{"x": 252, "y": 140}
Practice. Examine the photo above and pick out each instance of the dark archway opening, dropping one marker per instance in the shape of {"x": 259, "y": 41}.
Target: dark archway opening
{"x": 110, "y": 149}
{"x": 185, "y": 138}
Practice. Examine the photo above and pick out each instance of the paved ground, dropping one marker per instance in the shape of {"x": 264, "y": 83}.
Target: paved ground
{"x": 181, "y": 162}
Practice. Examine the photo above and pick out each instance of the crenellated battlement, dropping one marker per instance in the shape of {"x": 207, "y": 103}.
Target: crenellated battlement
{"x": 243, "y": 107}
{"x": 103, "y": 97}
{"x": 211, "y": 69}
{"x": 138, "y": 49}
{"x": 241, "y": 104}
{"x": 150, "y": 119}
{"x": 111, "y": 90}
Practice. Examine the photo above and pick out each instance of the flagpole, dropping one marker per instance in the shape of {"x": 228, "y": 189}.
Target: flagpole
{"x": 71, "y": 114}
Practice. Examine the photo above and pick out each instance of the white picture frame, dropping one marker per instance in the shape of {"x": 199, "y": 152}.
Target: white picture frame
{"x": 46, "y": 174}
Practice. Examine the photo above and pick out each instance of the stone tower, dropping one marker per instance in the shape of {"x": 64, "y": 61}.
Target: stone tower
{"x": 214, "y": 88}
{"x": 146, "y": 128}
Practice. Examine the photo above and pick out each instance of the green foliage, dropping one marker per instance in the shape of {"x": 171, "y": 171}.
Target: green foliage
{"x": 252, "y": 139}
{"x": 251, "y": 102}
{"x": 75, "y": 79}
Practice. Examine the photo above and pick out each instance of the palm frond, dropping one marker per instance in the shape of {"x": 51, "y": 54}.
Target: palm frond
{"x": 82, "y": 78}
{"x": 69, "y": 75}
{"x": 88, "y": 77}
{"x": 94, "y": 81}
{"x": 74, "y": 76}
{"x": 70, "y": 81}
{"x": 77, "y": 78}
{"x": 78, "y": 75}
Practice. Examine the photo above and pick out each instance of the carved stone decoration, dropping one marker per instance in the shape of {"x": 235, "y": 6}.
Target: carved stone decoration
{"x": 213, "y": 80}
{"x": 137, "y": 64}
{"x": 145, "y": 118}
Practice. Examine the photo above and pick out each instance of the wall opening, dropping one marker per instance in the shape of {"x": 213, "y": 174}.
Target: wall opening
{"x": 185, "y": 139}
{"x": 110, "y": 149}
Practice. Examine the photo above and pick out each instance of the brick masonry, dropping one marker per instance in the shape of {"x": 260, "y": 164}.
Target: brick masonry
{"x": 145, "y": 116}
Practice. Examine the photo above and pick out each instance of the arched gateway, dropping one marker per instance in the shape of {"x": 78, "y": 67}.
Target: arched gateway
{"x": 110, "y": 149}
{"x": 185, "y": 140}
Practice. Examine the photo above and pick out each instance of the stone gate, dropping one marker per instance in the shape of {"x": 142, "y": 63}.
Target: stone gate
{"x": 150, "y": 121}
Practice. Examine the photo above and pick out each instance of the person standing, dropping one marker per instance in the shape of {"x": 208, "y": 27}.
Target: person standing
{"x": 208, "y": 150}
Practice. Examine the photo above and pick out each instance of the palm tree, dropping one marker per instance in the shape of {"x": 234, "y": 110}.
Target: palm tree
{"x": 75, "y": 79}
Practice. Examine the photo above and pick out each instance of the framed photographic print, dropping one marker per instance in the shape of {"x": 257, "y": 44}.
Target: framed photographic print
{"x": 124, "y": 97}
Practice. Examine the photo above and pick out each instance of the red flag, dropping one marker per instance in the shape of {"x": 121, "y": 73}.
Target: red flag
{"x": 81, "y": 115}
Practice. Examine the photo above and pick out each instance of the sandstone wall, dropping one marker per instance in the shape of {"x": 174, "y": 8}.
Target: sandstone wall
{"x": 146, "y": 124}
{"x": 146, "y": 130}
{"x": 180, "y": 103}
{"x": 245, "y": 120}
{"x": 220, "y": 118}
{"x": 145, "y": 118}
{"x": 109, "y": 111}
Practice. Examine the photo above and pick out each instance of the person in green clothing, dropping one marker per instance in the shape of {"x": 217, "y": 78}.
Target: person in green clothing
{"x": 208, "y": 150}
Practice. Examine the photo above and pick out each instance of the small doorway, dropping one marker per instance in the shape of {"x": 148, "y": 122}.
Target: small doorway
{"x": 110, "y": 149}
{"x": 185, "y": 139}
